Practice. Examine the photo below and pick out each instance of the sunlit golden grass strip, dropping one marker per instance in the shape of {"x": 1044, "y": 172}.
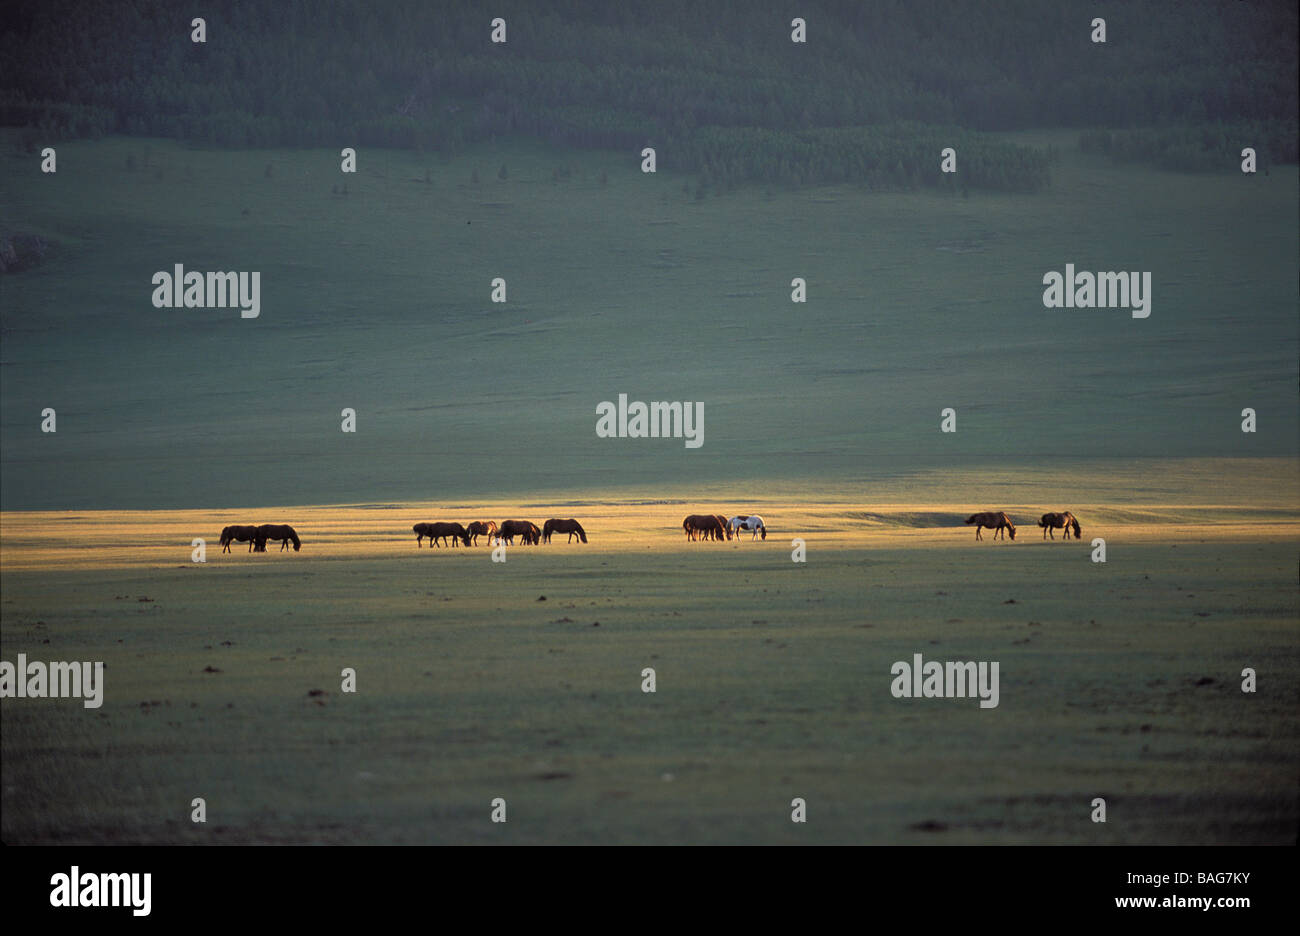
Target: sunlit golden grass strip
{"x": 118, "y": 539}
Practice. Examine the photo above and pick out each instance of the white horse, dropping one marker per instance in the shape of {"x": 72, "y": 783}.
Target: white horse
{"x": 753, "y": 524}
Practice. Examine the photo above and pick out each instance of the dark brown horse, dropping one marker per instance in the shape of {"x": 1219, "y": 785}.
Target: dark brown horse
{"x": 440, "y": 531}
{"x": 277, "y": 531}
{"x": 704, "y": 526}
{"x": 572, "y": 527}
{"x": 1060, "y": 521}
{"x": 482, "y": 528}
{"x": 525, "y": 529}
{"x": 238, "y": 534}
{"x": 723, "y": 528}
{"x": 995, "y": 520}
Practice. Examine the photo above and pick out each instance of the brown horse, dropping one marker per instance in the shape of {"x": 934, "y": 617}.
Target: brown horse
{"x": 995, "y": 520}
{"x": 704, "y": 526}
{"x": 526, "y": 529}
{"x": 723, "y": 527}
{"x": 277, "y": 531}
{"x": 482, "y": 528}
{"x": 572, "y": 527}
{"x": 238, "y": 534}
{"x": 440, "y": 531}
{"x": 1058, "y": 521}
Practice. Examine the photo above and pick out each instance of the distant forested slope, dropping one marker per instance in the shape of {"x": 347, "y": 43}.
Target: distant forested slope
{"x": 715, "y": 85}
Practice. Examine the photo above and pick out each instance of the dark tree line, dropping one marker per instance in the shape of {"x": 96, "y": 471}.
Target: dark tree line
{"x": 1196, "y": 149}
{"x": 717, "y": 86}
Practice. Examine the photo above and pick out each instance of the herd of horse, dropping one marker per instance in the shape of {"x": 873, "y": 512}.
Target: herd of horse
{"x": 697, "y": 527}
{"x": 718, "y": 527}
{"x": 1000, "y": 524}
{"x": 526, "y": 530}
{"x": 256, "y": 536}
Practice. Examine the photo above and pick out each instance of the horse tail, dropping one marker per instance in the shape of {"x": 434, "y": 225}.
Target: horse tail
{"x": 972, "y": 518}
{"x": 1042, "y": 522}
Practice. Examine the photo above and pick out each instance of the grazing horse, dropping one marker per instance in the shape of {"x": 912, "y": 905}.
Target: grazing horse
{"x": 753, "y": 524}
{"x": 480, "y": 528}
{"x": 995, "y": 520}
{"x": 572, "y": 527}
{"x": 277, "y": 531}
{"x": 723, "y": 527}
{"x": 509, "y": 529}
{"x": 1058, "y": 521}
{"x": 704, "y": 526}
{"x": 238, "y": 534}
{"x": 440, "y": 531}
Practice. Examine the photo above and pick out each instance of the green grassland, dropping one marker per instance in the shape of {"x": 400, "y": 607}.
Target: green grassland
{"x": 1118, "y": 680}
{"x": 379, "y": 300}
{"x": 773, "y": 677}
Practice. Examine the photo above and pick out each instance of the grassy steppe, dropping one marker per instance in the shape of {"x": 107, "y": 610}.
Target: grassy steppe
{"x": 379, "y": 300}
{"x": 1118, "y": 680}
{"x": 773, "y": 676}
